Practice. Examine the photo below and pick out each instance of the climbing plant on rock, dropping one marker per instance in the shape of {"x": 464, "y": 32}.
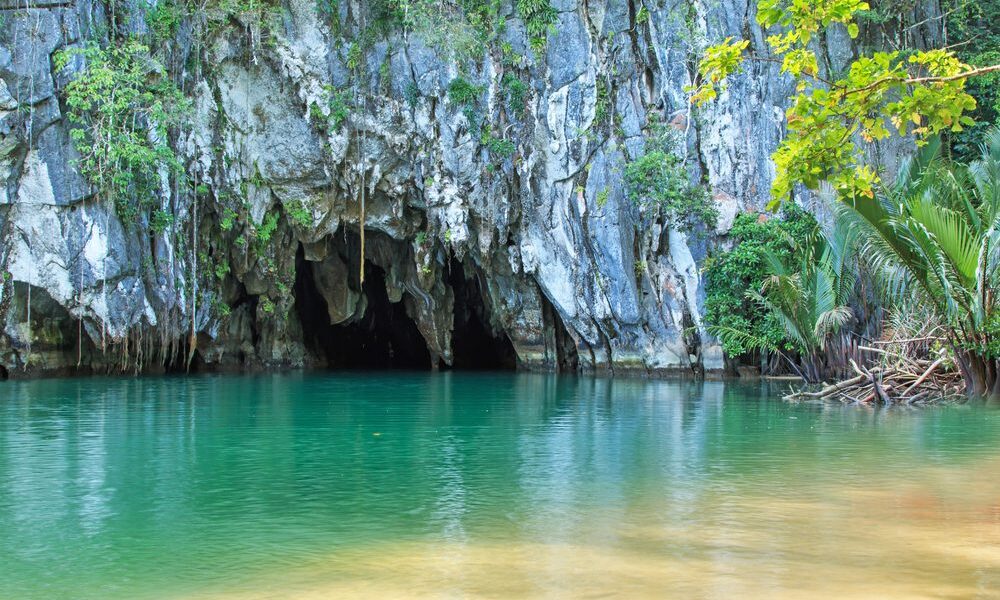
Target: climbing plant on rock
{"x": 121, "y": 106}
{"x": 913, "y": 92}
{"x": 659, "y": 180}
{"x": 539, "y": 17}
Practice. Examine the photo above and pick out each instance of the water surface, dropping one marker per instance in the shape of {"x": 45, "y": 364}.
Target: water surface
{"x": 486, "y": 485}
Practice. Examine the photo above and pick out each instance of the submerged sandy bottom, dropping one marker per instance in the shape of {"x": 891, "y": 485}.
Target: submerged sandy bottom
{"x": 487, "y": 486}
{"x": 889, "y": 540}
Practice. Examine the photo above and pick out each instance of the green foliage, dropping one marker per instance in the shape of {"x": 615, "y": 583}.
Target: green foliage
{"x": 385, "y": 75}
{"x": 228, "y": 220}
{"x": 660, "y": 180}
{"x": 539, "y": 17}
{"x": 121, "y": 106}
{"x": 806, "y": 293}
{"x": 918, "y": 93}
{"x": 160, "y": 220}
{"x": 164, "y": 19}
{"x": 259, "y": 15}
{"x": 730, "y": 274}
{"x": 501, "y": 147}
{"x": 411, "y": 94}
{"x": 336, "y": 108}
{"x": 221, "y": 308}
{"x": 602, "y": 106}
{"x": 972, "y": 30}
{"x": 222, "y": 269}
{"x": 298, "y": 213}
{"x": 642, "y": 16}
{"x": 354, "y": 54}
{"x": 934, "y": 239}
{"x": 459, "y": 28}
{"x": 516, "y": 92}
{"x": 265, "y": 231}
{"x": 466, "y": 95}
{"x": 497, "y": 146}
{"x": 463, "y": 93}
{"x": 602, "y": 198}
{"x": 718, "y": 64}
{"x": 330, "y": 10}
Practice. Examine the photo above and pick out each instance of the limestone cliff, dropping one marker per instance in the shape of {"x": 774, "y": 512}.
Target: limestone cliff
{"x": 533, "y": 254}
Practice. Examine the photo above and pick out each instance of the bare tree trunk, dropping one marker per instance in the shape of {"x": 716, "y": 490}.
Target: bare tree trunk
{"x": 981, "y": 374}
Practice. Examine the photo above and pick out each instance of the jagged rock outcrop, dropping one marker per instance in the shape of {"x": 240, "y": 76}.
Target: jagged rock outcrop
{"x": 536, "y": 247}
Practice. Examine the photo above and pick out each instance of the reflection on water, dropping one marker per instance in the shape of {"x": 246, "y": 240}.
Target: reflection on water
{"x": 480, "y": 485}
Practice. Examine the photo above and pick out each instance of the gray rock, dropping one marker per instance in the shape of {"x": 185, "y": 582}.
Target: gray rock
{"x": 566, "y": 267}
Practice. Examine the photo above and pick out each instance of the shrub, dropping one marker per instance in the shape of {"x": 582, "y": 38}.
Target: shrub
{"x": 730, "y": 274}
{"x": 658, "y": 179}
{"x": 463, "y": 93}
{"x": 112, "y": 103}
{"x": 516, "y": 91}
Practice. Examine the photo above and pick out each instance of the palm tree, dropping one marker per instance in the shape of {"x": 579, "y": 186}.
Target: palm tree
{"x": 809, "y": 300}
{"x": 933, "y": 238}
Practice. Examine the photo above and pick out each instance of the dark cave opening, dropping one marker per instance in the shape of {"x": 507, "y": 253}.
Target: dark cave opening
{"x": 385, "y": 337}
{"x": 179, "y": 365}
{"x": 474, "y": 343}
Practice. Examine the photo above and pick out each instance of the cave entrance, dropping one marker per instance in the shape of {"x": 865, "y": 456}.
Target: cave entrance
{"x": 475, "y": 344}
{"x": 384, "y": 337}
{"x": 179, "y": 365}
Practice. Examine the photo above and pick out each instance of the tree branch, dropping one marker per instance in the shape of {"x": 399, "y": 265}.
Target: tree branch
{"x": 928, "y": 79}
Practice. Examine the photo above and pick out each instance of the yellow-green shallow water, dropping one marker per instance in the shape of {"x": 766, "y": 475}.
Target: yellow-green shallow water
{"x": 395, "y": 485}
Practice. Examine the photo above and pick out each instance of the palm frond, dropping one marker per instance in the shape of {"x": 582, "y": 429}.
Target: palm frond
{"x": 952, "y": 235}
{"x": 732, "y": 336}
{"x": 831, "y": 321}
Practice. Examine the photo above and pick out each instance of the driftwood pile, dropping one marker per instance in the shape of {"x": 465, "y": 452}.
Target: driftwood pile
{"x": 896, "y": 376}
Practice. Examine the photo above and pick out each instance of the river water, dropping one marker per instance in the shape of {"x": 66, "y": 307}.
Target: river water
{"x": 477, "y": 485}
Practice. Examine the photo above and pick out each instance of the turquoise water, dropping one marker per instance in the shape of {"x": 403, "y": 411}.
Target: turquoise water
{"x": 485, "y": 485}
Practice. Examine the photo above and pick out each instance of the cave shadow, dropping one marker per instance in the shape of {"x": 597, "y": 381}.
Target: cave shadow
{"x": 475, "y": 344}
{"x": 386, "y": 337}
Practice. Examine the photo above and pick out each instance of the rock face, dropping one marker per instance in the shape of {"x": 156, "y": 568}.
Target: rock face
{"x": 473, "y": 254}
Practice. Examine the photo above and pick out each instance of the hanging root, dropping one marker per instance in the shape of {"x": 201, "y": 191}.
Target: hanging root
{"x": 192, "y": 348}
